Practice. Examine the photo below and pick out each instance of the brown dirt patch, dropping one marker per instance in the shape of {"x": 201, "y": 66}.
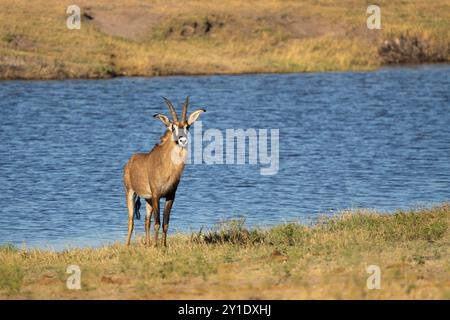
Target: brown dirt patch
{"x": 298, "y": 26}
{"x": 132, "y": 23}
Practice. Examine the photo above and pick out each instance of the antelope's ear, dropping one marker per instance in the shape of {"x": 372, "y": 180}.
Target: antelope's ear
{"x": 163, "y": 119}
{"x": 194, "y": 116}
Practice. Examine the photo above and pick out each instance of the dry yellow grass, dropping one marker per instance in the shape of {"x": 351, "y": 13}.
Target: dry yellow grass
{"x": 328, "y": 260}
{"x": 147, "y": 38}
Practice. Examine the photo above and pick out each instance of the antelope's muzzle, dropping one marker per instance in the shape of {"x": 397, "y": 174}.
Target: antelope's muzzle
{"x": 182, "y": 141}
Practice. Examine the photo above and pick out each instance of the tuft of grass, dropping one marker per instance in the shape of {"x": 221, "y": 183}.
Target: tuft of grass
{"x": 11, "y": 278}
{"x": 427, "y": 224}
{"x": 230, "y": 232}
{"x": 8, "y": 248}
{"x": 290, "y": 234}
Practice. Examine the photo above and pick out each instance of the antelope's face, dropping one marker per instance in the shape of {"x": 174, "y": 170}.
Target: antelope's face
{"x": 180, "y": 134}
{"x": 179, "y": 129}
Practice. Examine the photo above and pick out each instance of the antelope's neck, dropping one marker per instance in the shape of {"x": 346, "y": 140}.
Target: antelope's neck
{"x": 175, "y": 154}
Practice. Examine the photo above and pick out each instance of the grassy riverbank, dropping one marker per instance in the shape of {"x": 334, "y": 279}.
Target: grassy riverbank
{"x": 289, "y": 261}
{"x": 156, "y": 37}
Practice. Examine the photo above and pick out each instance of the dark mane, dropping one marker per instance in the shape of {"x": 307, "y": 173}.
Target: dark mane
{"x": 162, "y": 140}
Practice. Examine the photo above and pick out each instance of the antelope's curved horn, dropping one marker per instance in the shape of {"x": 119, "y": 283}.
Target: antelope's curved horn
{"x": 185, "y": 107}
{"x": 172, "y": 110}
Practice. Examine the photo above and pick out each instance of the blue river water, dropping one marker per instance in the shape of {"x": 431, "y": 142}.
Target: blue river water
{"x": 377, "y": 140}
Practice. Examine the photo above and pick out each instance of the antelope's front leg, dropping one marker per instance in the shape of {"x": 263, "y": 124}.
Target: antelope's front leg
{"x": 148, "y": 220}
{"x": 155, "y": 206}
{"x": 167, "y": 208}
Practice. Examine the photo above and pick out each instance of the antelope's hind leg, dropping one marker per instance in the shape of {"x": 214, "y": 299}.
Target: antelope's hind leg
{"x": 130, "y": 206}
{"x": 148, "y": 220}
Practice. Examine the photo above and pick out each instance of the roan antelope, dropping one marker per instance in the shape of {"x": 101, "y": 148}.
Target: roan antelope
{"x": 156, "y": 174}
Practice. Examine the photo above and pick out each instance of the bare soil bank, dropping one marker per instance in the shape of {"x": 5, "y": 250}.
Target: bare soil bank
{"x": 151, "y": 38}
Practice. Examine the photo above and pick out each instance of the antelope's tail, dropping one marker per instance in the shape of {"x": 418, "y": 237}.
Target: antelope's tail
{"x": 137, "y": 206}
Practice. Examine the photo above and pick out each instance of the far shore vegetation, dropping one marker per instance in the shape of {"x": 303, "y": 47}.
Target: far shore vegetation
{"x": 327, "y": 260}
{"x": 187, "y": 37}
